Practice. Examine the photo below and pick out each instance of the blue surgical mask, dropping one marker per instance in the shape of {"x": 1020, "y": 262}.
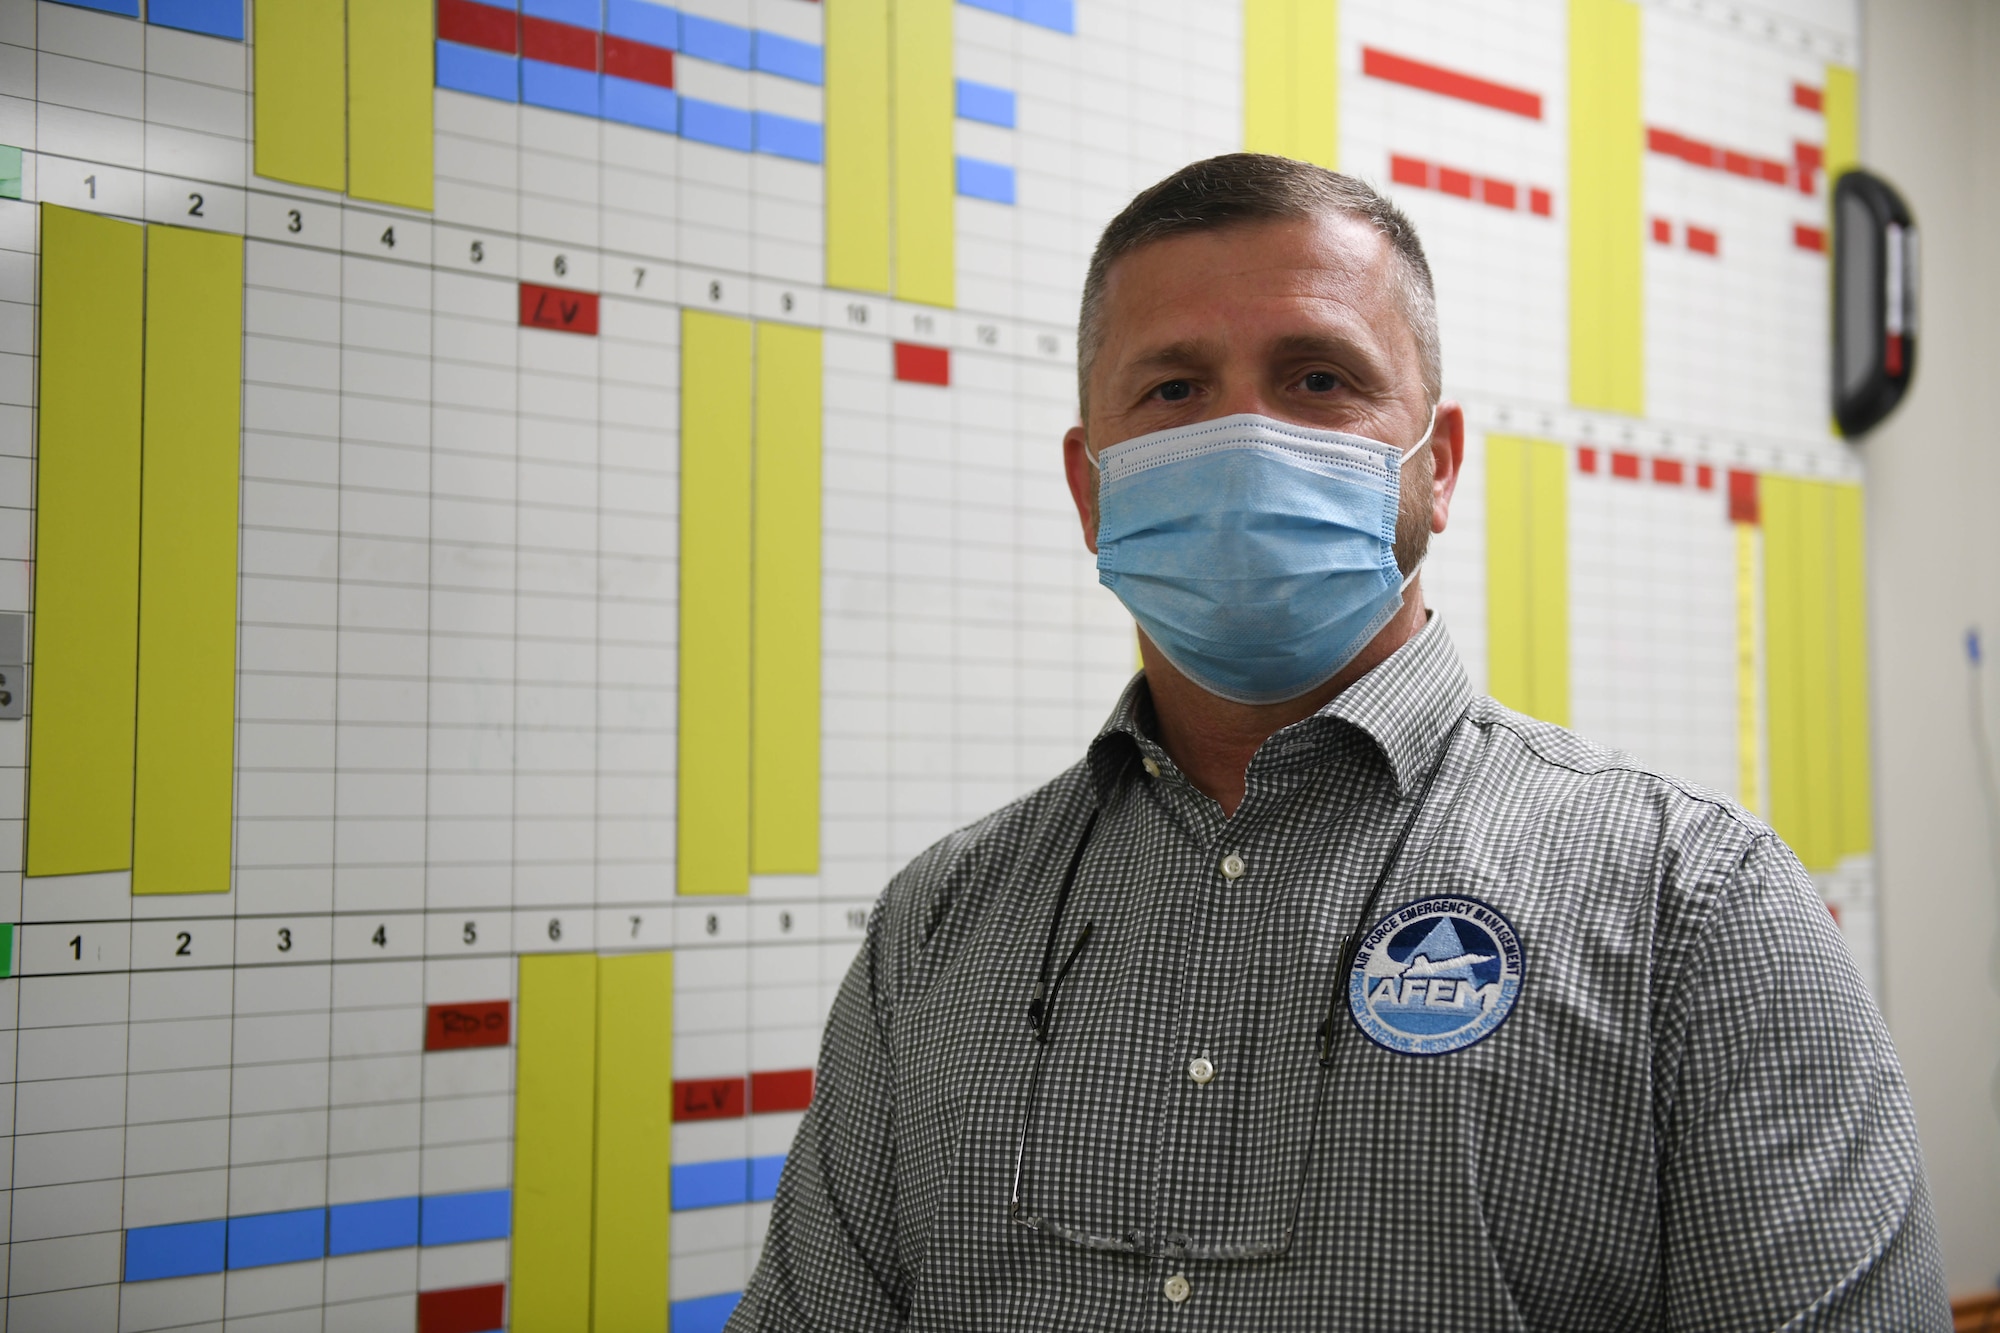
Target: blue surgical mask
{"x": 1259, "y": 556}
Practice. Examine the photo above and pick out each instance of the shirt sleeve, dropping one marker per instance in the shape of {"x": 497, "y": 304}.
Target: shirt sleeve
{"x": 830, "y": 1260}
{"x": 1792, "y": 1191}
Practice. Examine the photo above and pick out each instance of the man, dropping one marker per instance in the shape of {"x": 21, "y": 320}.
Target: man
{"x": 1322, "y": 993}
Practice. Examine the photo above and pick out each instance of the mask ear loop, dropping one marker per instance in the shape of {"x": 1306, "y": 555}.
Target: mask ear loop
{"x": 1416, "y": 449}
{"x": 1424, "y": 443}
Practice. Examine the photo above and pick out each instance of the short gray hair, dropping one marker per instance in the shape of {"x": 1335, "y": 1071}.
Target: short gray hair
{"x": 1238, "y": 188}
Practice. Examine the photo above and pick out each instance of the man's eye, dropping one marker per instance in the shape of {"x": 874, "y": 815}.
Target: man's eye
{"x": 1321, "y": 381}
{"x": 1174, "y": 391}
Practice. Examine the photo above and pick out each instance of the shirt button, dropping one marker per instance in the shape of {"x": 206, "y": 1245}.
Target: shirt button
{"x": 1232, "y": 866}
{"x": 1177, "y": 1289}
{"x": 1152, "y": 769}
{"x": 1201, "y": 1069}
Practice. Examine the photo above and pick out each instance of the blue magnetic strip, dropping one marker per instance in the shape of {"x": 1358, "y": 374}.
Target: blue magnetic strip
{"x": 790, "y": 59}
{"x": 1011, "y": 8}
{"x": 380, "y": 1224}
{"x": 509, "y": 5}
{"x": 711, "y": 1184}
{"x": 178, "y": 1249}
{"x": 467, "y": 69}
{"x": 277, "y": 1238}
{"x": 723, "y": 43}
{"x": 213, "y": 18}
{"x": 641, "y": 104}
{"x": 985, "y": 180}
{"x": 129, "y": 8}
{"x": 723, "y": 126}
{"x": 643, "y": 21}
{"x": 559, "y": 88}
{"x": 784, "y": 136}
{"x": 454, "y": 1219}
{"x": 1059, "y": 15}
{"x": 764, "y": 1173}
{"x": 985, "y": 103}
{"x": 703, "y": 1314}
{"x": 577, "y": 13}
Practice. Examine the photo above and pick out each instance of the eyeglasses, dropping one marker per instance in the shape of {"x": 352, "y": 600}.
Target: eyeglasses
{"x": 1041, "y": 1004}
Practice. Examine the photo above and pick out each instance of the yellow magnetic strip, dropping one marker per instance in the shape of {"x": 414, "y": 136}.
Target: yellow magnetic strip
{"x": 785, "y": 701}
{"x": 1315, "y": 82}
{"x": 86, "y": 624}
{"x": 857, "y": 145}
{"x": 1548, "y": 580}
{"x": 1787, "y": 590}
{"x": 555, "y": 1084}
{"x": 924, "y": 176}
{"x": 389, "y": 101}
{"x": 713, "y": 827}
{"x": 1507, "y": 623}
{"x": 1819, "y": 755}
{"x": 1606, "y": 208}
{"x": 1749, "y": 760}
{"x": 186, "y": 752}
{"x": 1841, "y": 104}
{"x": 635, "y": 1085}
{"x": 1267, "y": 76}
{"x": 300, "y": 116}
{"x": 1853, "y": 816}
{"x": 1291, "y": 79}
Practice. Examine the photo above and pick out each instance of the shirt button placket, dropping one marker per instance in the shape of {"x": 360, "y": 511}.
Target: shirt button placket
{"x": 1177, "y": 1288}
{"x": 1232, "y": 866}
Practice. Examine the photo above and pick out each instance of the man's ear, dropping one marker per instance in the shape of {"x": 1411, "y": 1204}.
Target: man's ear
{"x": 1447, "y": 458}
{"x": 1082, "y": 478}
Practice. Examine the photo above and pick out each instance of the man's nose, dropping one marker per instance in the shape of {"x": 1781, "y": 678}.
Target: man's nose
{"x": 1240, "y": 394}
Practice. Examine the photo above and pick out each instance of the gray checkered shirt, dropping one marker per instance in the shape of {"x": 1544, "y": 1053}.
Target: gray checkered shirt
{"x": 1690, "y": 1118}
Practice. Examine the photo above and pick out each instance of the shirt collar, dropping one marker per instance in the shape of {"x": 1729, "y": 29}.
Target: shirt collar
{"x": 1407, "y": 706}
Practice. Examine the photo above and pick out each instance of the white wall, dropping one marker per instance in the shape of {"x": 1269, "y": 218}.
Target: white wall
{"x": 1930, "y": 123}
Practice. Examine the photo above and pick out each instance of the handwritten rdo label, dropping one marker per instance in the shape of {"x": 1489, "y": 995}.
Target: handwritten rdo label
{"x": 455, "y": 1027}
{"x": 558, "y": 308}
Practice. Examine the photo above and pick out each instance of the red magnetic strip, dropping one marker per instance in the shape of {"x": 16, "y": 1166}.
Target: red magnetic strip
{"x": 638, "y": 61}
{"x": 1409, "y": 171}
{"x": 1625, "y": 465}
{"x": 558, "y": 43}
{"x": 708, "y": 1098}
{"x": 455, "y": 1027}
{"x": 1450, "y": 83}
{"x": 780, "y": 1090}
{"x": 462, "y": 1309}
{"x": 483, "y": 26}
{"x": 1743, "y": 501}
{"x": 917, "y": 364}
{"x": 1669, "y": 472}
{"x": 1703, "y": 241}
{"x": 558, "y": 308}
{"x": 1808, "y": 98}
{"x": 1586, "y": 459}
{"x": 1500, "y": 194}
{"x": 1809, "y": 238}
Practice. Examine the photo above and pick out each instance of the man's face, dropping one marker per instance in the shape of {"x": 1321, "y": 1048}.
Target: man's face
{"x": 1296, "y": 319}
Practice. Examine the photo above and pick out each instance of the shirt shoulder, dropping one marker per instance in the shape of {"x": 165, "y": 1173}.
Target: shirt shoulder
{"x": 936, "y": 903}
{"x": 1660, "y": 851}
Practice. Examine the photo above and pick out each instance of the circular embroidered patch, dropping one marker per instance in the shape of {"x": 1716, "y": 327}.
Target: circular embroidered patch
{"x": 1435, "y": 976}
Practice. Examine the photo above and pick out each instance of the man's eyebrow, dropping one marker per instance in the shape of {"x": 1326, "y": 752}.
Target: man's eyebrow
{"x": 1181, "y": 353}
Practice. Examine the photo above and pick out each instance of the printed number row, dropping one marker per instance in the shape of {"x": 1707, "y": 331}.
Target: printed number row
{"x": 117, "y": 946}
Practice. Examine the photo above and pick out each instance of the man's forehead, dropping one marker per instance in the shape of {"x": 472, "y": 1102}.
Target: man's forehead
{"x": 1329, "y": 247}
{"x": 1341, "y": 266}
